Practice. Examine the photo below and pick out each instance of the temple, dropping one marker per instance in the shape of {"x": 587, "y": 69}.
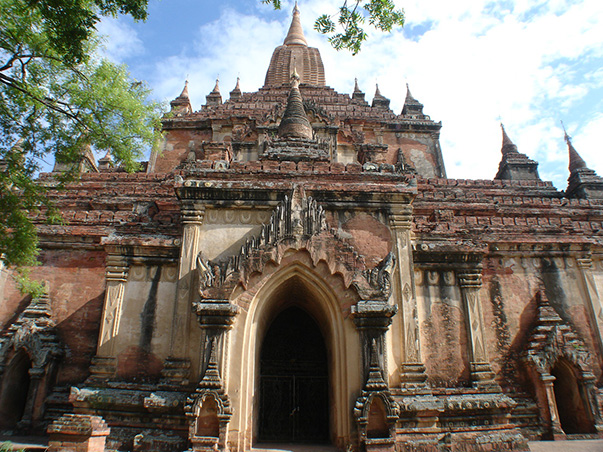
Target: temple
{"x": 294, "y": 266}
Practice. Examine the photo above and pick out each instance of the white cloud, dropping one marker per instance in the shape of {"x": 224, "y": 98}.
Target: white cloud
{"x": 120, "y": 41}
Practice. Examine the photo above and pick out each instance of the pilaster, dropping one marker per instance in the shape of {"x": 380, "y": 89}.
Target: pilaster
{"x": 556, "y": 430}
{"x": 105, "y": 362}
{"x": 470, "y": 282}
{"x": 36, "y": 374}
{"x": 412, "y": 370}
{"x": 177, "y": 365}
{"x": 592, "y": 298}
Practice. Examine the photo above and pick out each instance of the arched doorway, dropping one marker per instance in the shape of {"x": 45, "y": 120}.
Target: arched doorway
{"x": 15, "y": 388}
{"x": 294, "y": 381}
{"x": 571, "y": 407}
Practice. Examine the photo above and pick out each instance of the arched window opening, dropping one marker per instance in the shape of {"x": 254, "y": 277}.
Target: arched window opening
{"x": 15, "y": 388}
{"x": 208, "y": 423}
{"x": 294, "y": 386}
{"x": 377, "y": 426}
{"x": 572, "y": 409}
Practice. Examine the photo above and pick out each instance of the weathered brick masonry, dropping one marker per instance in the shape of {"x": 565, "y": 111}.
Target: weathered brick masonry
{"x": 294, "y": 265}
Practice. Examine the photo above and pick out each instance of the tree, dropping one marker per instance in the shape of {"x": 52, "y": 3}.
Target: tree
{"x": 347, "y": 32}
{"x": 58, "y": 98}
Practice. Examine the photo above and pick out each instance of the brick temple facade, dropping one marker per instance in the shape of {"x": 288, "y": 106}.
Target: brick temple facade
{"x": 295, "y": 266}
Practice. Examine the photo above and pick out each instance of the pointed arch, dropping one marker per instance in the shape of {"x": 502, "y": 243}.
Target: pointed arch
{"x": 297, "y": 282}
{"x": 554, "y": 347}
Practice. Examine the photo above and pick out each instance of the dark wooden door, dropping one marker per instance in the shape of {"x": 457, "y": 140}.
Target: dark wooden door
{"x": 294, "y": 381}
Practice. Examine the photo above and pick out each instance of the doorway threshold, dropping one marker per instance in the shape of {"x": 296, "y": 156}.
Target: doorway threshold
{"x": 272, "y": 447}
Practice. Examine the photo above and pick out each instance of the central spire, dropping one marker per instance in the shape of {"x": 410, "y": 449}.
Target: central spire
{"x": 296, "y": 33}
{"x": 295, "y": 53}
{"x": 295, "y": 123}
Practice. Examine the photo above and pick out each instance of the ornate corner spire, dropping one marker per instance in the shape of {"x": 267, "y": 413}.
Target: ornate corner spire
{"x": 184, "y": 92}
{"x": 295, "y": 36}
{"x": 182, "y": 103}
{"x": 236, "y": 92}
{"x": 106, "y": 162}
{"x": 217, "y": 86}
{"x": 575, "y": 161}
{"x": 409, "y": 96}
{"x": 358, "y": 95}
{"x": 295, "y": 123}
{"x": 214, "y": 98}
{"x": 379, "y": 100}
{"x": 515, "y": 165}
{"x": 412, "y": 108}
{"x": 507, "y": 145}
{"x": 583, "y": 182}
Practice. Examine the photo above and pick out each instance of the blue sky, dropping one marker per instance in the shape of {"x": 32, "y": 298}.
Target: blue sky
{"x": 472, "y": 63}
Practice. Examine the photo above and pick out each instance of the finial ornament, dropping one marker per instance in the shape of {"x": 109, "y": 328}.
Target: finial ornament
{"x": 575, "y": 161}
{"x": 507, "y": 145}
{"x": 296, "y": 33}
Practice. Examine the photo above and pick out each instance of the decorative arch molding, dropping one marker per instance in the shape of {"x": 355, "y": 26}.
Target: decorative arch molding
{"x": 297, "y": 223}
{"x": 553, "y": 340}
{"x": 327, "y": 300}
{"x": 209, "y": 391}
{"x": 295, "y": 256}
{"x": 34, "y": 334}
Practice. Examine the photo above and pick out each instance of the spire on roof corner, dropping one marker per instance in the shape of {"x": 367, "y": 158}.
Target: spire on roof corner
{"x": 513, "y": 164}
{"x": 409, "y": 96}
{"x": 214, "y": 98}
{"x": 412, "y": 107}
{"x": 295, "y": 36}
{"x": 507, "y": 144}
{"x": 582, "y": 181}
{"x": 184, "y": 92}
{"x": 575, "y": 161}
{"x": 236, "y": 92}
{"x": 182, "y": 103}
{"x": 358, "y": 95}
{"x": 217, "y": 86}
{"x": 380, "y": 100}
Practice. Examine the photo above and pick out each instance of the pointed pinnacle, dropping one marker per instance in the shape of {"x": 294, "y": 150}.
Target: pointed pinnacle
{"x": 575, "y": 161}
{"x": 184, "y": 92}
{"x": 237, "y": 86}
{"x": 409, "y": 96}
{"x": 377, "y": 92}
{"x": 356, "y": 88}
{"x": 217, "y": 87}
{"x": 296, "y": 33}
{"x": 294, "y": 123}
{"x": 507, "y": 145}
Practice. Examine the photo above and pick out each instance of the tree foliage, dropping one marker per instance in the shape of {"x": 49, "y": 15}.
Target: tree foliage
{"x": 58, "y": 98}
{"x": 345, "y": 28}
